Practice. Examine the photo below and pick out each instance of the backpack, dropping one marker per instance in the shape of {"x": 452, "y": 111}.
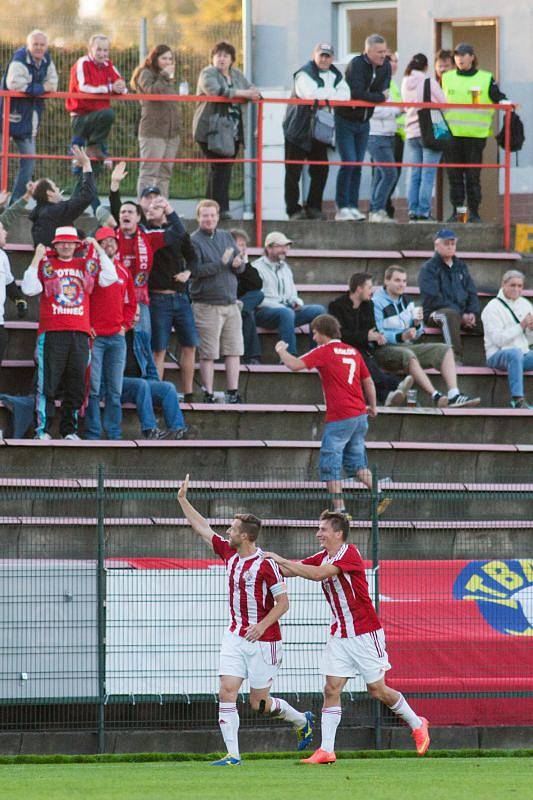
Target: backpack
{"x": 517, "y": 135}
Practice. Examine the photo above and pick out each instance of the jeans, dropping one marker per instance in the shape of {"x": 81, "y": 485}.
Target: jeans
{"x": 515, "y": 363}
{"x": 286, "y": 319}
{"x": 381, "y": 148}
{"x": 343, "y": 448}
{"x": 421, "y": 179}
{"x": 352, "y": 138}
{"x": 145, "y": 322}
{"x": 168, "y": 311}
{"x": 146, "y": 394}
{"x": 26, "y": 167}
{"x": 108, "y": 359}
{"x": 250, "y": 301}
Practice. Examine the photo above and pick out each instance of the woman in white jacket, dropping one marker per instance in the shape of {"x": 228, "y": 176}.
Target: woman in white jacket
{"x": 381, "y": 149}
{"x": 508, "y": 328}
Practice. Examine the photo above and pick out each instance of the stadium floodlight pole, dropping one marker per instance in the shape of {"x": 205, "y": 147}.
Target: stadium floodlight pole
{"x": 248, "y": 110}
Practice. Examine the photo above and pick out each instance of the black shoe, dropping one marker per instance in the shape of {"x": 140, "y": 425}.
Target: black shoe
{"x": 453, "y": 217}
{"x": 314, "y": 213}
{"x": 232, "y": 397}
{"x": 413, "y": 217}
{"x": 153, "y": 433}
{"x": 463, "y": 401}
{"x": 429, "y": 218}
{"x": 208, "y": 397}
{"x": 300, "y": 214}
{"x": 188, "y": 397}
{"x": 174, "y": 433}
{"x": 251, "y": 361}
{"x": 474, "y": 217}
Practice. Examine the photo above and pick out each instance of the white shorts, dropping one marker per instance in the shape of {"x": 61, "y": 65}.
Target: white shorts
{"x": 257, "y": 661}
{"x": 363, "y": 655}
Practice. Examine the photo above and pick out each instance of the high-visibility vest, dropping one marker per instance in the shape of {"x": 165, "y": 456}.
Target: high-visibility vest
{"x": 396, "y": 97}
{"x": 471, "y": 122}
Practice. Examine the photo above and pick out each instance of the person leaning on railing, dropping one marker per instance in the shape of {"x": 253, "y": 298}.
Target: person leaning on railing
{"x": 221, "y": 79}
{"x": 159, "y": 125}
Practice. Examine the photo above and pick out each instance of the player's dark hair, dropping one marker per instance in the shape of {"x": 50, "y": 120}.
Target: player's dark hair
{"x": 389, "y": 272}
{"x": 250, "y": 525}
{"x": 359, "y": 279}
{"x": 338, "y": 521}
{"x": 327, "y": 325}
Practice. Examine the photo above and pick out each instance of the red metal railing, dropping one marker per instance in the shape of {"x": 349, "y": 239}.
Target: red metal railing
{"x": 5, "y": 155}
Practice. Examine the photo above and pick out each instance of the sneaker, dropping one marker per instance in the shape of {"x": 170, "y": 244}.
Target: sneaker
{"x": 232, "y": 397}
{"x": 379, "y": 216}
{"x": 153, "y": 433}
{"x": 305, "y": 733}
{"x": 399, "y": 395}
{"x": 440, "y": 400}
{"x": 383, "y": 504}
{"x": 174, "y": 433}
{"x": 520, "y": 402}
{"x": 344, "y": 215}
{"x": 72, "y": 437}
{"x": 421, "y": 737}
{"x": 320, "y": 757}
{"x": 463, "y": 401}
{"x": 208, "y": 397}
{"x": 413, "y": 217}
{"x": 357, "y": 215}
{"x": 188, "y": 397}
{"x": 227, "y": 761}
{"x": 44, "y": 437}
{"x": 314, "y": 213}
{"x": 406, "y": 384}
{"x": 300, "y": 214}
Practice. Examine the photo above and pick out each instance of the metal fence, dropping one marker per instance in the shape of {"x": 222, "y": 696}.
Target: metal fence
{"x": 112, "y": 610}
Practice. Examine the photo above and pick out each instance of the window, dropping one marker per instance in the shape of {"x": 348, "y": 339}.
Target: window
{"x": 358, "y": 20}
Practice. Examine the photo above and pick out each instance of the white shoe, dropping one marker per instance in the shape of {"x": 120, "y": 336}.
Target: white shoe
{"x": 344, "y": 214}
{"x": 399, "y": 395}
{"x": 358, "y": 215}
{"x": 406, "y": 384}
{"x": 72, "y": 437}
{"x": 44, "y": 437}
{"x": 379, "y": 216}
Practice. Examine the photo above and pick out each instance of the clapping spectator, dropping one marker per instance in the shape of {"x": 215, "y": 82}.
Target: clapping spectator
{"x": 31, "y": 71}
{"x": 508, "y": 326}
{"x": 160, "y": 120}
{"x": 250, "y": 295}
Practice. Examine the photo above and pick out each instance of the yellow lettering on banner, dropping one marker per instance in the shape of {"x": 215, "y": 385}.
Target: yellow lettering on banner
{"x": 500, "y": 572}
{"x": 527, "y": 566}
{"x": 475, "y": 584}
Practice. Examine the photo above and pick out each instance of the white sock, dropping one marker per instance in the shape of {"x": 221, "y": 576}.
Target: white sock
{"x": 228, "y": 719}
{"x": 330, "y": 722}
{"x": 453, "y": 393}
{"x": 402, "y": 708}
{"x": 280, "y": 708}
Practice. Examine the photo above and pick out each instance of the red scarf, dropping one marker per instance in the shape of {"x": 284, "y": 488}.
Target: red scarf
{"x": 143, "y": 262}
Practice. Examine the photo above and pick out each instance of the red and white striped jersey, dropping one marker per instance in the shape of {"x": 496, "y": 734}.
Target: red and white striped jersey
{"x": 347, "y": 593}
{"x": 253, "y": 584}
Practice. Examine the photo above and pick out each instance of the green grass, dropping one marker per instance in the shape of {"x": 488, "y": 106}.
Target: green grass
{"x": 489, "y": 778}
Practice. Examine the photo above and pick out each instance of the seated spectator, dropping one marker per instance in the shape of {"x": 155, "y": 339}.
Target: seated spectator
{"x": 64, "y": 276}
{"x": 51, "y": 211}
{"x": 214, "y": 300}
{"x": 224, "y": 80}
{"x": 281, "y": 307}
{"x": 401, "y": 324}
{"x": 316, "y": 80}
{"x": 141, "y": 385}
{"x": 250, "y": 295}
{"x": 448, "y": 293}
{"x": 31, "y": 71}
{"x": 354, "y": 312}
{"x": 508, "y": 326}
{"x": 159, "y": 124}
{"x": 170, "y": 306}
{"x": 112, "y": 311}
{"x": 8, "y": 288}
{"x": 381, "y": 142}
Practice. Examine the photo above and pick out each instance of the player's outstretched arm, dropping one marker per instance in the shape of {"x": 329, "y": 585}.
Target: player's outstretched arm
{"x": 198, "y": 523}
{"x": 294, "y": 569}
{"x": 292, "y": 362}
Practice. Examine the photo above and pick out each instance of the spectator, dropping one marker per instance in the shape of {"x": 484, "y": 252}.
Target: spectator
{"x": 281, "y": 307}
{"x": 346, "y": 383}
{"x": 214, "y": 300}
{"x": 368, "y": 77}
{"x": 318, "y": 79}
{"x": 159, "y": 125}
{"x": 170, "y": 306}
{"x": 443, "y": 63}
{"x": 448, "y": 293}
{"x": 250, "y": 295}
{"x": 399, "y": 136}
{"x": 16, "y": 209}
{"x": 8, "y": 288}
{"x": 401, "y": 324}
{"x": 51, "y": 211}
{"x": 31, "y": 71}
{"x": 383, "y": 127}
{"x": 142, "y": 386}
{"x": 421, "y": 179}
{"x": 64, "y": 276}
{"x": 146, "y": 196}
{"x": 112, "y": 311}
{"x": 224, "y": 80}
{"x": 354, "y": 312}
{"x": 470, "y": 128}
{"x": 508, "y": 325}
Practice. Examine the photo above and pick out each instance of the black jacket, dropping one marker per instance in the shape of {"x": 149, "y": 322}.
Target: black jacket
{"x": 249, "y": 280}
{"x": 366, "y": 82}
{"x": 442, "y": 286}
{"x": 355, "y": 322}
{"x": 297, "y": 122}
{"x": 169, "y": 260}
{"x": 46, "y": 217}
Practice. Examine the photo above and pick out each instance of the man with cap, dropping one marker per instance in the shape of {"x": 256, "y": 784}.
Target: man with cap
{"x": 448, "y": 293}
{"x": 318, "y": 79}
{"x": 112, "y": 312}
{"x": 281, "y": 307}
{"x": 65, "y": 276}
{"x": 470, "y": 127}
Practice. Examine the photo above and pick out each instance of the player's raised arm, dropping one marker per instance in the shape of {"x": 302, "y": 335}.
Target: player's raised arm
{"x": 292, "y": 362}
{"x": 295, "y": 569}
{"x": 198, "y": 523}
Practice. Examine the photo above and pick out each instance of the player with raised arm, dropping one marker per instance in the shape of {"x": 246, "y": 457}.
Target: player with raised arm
{"x": 357, "y": 642}
{"x": 251, "y": 647}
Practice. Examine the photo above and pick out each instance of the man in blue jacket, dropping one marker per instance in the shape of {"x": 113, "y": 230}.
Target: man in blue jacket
{"x": 32, "y": 71}
{"x": 448, "y": 293}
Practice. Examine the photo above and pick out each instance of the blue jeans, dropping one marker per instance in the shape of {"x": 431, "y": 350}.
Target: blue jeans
{"x": 250, "y": 301}
{"x": 145, "y": 322}
{"x": 146, "y": 394}
{"x": 515, "y": 363}
{"x": 108, "y": 359}
{"x": 381, "y": 148}
{"x": 421, "y": 179}
{"x": 352, "y": 138}
{"x": 343, "y": 448}
{"x": 286, "y": 319}
{"x": 26, "y": 167}
{"x": 167, "y": 310}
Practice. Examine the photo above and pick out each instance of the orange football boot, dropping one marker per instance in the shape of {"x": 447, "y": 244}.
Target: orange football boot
{"x": 320, "y": 757}
{"x": 421, "y": 737}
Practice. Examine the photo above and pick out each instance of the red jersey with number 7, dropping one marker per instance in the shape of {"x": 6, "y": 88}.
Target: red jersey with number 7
{"x": 341, "y": 369}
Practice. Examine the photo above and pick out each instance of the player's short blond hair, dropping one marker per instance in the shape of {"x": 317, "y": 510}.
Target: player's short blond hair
{"x": 250, "y": 525}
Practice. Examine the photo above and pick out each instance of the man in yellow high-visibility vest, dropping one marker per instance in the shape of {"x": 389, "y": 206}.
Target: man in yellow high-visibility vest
{"x": 470, "y": 127}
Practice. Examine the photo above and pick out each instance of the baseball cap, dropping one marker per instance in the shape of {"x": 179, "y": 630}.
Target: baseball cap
{"x": 67, "y": 233}
{"x": 105, "y": 232}
{"x": 445, "y": 233}
{"x": 464, "y": 49}
{"x": 150, "y": 190}
{"x": 276, "y": 237}
{"x": 325, "y": 48}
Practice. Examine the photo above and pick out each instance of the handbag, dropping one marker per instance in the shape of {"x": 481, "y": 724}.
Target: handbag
{"x": 221, "y": 135}
{"x": 434, "y": 130}
{"x": 323, "y": 124}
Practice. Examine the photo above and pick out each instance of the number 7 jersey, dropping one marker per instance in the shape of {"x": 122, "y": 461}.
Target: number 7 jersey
{"x": 341, "y": 369}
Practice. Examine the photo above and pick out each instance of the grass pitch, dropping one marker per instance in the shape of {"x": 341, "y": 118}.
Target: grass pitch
{"x": 490, "y": 778}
